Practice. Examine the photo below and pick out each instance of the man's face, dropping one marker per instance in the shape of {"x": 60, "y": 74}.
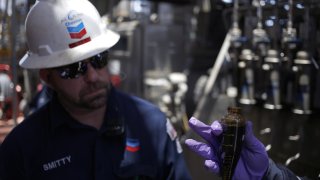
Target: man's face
{"x": 86, "y": 90}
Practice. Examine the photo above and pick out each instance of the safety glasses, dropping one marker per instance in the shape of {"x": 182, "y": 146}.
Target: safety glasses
{"x": 77, "y": 69}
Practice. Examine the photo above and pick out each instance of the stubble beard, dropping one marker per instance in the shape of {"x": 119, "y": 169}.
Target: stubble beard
{"x": 97, "y": 100}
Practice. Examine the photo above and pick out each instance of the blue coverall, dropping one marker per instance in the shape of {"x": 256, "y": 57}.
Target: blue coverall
{"x": 135, "y": 142}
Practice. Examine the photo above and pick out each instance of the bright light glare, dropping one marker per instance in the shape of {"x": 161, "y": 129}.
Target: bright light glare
{"x": 227, "y": 1}
{"x": 273, "y": 2}
{"x": 269, "y": 23}
{"x": 300, "y": 6}
{"x": 18, "y": 88}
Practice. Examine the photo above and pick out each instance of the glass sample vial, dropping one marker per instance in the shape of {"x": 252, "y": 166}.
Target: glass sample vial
{"x": 233, "y": 124}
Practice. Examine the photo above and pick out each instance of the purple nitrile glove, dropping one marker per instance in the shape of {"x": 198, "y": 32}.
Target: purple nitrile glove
{"x": 253, "y": 162}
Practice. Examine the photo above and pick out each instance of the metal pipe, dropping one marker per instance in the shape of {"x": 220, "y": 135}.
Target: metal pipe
{"x": 235, "y": 23}
{"x": 290, "y": 14}
{"x": 214, "y": 73}
{"x": 4, "y": 25}
{"x": 14, "y": 61}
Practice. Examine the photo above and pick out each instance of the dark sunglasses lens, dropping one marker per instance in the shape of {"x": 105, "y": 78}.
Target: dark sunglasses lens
{"x": 72, "y": 71}
{"x": 100, "y": 60}
{"x": 76, "y": 69}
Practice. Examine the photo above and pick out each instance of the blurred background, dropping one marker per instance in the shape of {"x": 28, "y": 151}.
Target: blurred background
{"x": 196, "y": 58}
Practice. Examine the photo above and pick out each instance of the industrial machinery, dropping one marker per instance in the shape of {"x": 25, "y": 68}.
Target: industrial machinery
{"x": 151, "y": 55}
{"x": 7, "y": 89}
{"x": 273, "y": 82}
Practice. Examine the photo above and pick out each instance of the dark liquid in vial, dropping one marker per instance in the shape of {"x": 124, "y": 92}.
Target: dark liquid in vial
{"x": 233, "y": 134}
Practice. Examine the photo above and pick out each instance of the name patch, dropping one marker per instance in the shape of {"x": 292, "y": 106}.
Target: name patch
{"x": 57, "y": 163}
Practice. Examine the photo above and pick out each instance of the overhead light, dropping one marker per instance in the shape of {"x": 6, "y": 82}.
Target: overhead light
{"x": 300, "y": 6}
{"x": 227, "y": 1}
{"x": 269, "y": 23}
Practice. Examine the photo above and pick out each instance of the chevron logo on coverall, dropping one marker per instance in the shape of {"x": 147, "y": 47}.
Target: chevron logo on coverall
{"x": 77, "y": 32}
{"x": 132, "y": 145}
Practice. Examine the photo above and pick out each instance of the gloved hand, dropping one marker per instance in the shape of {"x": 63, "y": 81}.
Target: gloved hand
{"x": 253, "y": 162}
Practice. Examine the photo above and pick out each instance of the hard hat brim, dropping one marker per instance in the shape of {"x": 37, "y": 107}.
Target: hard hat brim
{"x": 72, "y": 55}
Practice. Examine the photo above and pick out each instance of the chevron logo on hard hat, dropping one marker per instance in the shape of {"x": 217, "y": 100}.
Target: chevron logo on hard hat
{"x": 76, "y": 29}
{"x": 77, "y": 32}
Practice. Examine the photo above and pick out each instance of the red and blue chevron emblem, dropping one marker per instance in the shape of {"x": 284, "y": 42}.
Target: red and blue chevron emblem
{"x": 132, "y": 145}
{"x": 77, "y": 32}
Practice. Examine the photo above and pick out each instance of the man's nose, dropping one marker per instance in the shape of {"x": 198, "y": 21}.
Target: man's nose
{"x": 91, "y": 74}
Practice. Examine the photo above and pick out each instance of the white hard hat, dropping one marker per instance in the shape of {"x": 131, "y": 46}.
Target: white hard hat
{"x": 61, "y": 32}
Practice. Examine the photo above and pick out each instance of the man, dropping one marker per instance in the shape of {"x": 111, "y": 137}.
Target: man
{"x": 253, "y": 163}
{"x": 88, "y": 129}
